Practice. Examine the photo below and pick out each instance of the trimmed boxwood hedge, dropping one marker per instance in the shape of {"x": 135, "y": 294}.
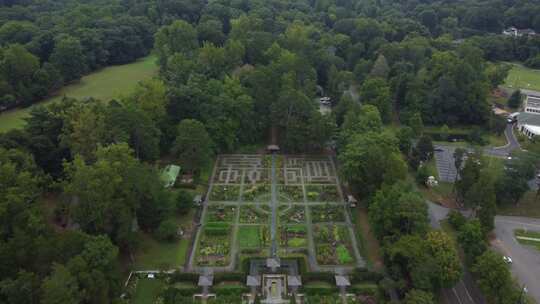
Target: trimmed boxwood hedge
{"x": 229, "y": 276}
{"x": 318, "y": 276}
{"x": 226, "y": 290}
{"x": 367, "y": 289}
{"x": 363, "y": 275}
{"x": 184, "y": 277}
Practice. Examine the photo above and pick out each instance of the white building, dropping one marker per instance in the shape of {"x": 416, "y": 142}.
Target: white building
{"x": 515, "y": 32}
{"x": 528, "y": 121}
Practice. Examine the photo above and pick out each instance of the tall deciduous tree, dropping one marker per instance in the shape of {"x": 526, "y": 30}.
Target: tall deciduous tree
{"x": 371, "y": 159}
{"x": 61, "y": 287}
{"x": 193, "y": 146}
{"x": 494, "y": 278}
{"x": 375, "y": 91}
{"x": 68, "y": 58}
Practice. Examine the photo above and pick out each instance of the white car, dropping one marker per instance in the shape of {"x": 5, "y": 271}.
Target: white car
{"x": 507, "y": 259}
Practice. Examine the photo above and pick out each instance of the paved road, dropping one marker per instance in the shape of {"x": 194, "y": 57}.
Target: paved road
{"x": 526, "y": 260}
{"x": 465, "y": 291}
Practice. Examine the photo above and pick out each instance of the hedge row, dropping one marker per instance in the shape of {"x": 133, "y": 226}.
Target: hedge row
{"x": 178, "y": 276}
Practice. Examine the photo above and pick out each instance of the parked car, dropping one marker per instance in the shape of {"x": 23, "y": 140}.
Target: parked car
{"x": 507, "y": 259}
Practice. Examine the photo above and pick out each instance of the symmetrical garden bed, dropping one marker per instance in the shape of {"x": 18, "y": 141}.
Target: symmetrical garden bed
{"x": 327, "y": 213}
{"x": 293, "y": 236}
{"x": 294, "y": 215}
{"x": 250, "y": 214}
{"x": 252, "y": 192}
{"x": 214, "y": 245}
{"x": 294, "y": 193}
{"x": 225, "y": 193}
{"x": 322, "y": 193}
{"x": 333, "y": 244}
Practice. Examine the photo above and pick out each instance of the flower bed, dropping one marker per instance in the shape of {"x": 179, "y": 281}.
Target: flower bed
{"x": 220, "y": 213}
{"x": 224, "y": 193}
{"x": 294, "y": 193}
{"x": 333, "y": 245}
{"x": 319, "y": 193}
{"x": 327, "y": 213}
{"x": 250, "y": 215}
{"x": 296, "y": 214}
{"x": 214, "y": 245}
{"x": 293, "y": 236}
{"x": 251, "y": 192}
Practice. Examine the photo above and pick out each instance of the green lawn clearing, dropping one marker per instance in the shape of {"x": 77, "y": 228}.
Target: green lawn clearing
{"x": 105, "y": 84}
{"x": 157, "y": 255}
{"x": 147, "y": 291}
{"x": 521, "y": 77}
{"x": 248, "y": 237}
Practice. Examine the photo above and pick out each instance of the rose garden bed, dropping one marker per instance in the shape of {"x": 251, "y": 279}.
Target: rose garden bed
{"x": 320, "y": 193}
{"x": 224, "y": 193}
{"x": 327, "y": 213}
{"x": 251, "y": 192}
{"x": 293, "y": 236}
{"x": 294, "y": 193}
{"x": 214, "y": 245}
{"x": 251, "y": 215}
{"x": 333, "y": 245}
{"x": 294, "y": 215}
{"x": 220, "y": 213}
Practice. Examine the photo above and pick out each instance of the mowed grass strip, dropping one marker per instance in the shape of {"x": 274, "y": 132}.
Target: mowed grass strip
{"x": 521, "y": 77}
{"x": 105, "y": 84}
{"x": 248, "y": 236}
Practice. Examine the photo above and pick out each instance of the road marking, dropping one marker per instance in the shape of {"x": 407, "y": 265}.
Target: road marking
{"x": 467, "y": 291}
{"x": 528, "y": 238}
{"x": 457, "y": 297}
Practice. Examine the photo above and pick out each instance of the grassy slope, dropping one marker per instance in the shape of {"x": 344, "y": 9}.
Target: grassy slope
{"x": 523, "y": 78}
{"x": 108, "y": 83}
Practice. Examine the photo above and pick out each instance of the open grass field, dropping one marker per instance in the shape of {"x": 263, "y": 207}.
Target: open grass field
{"x": 105, "y": 84}
{"x": 521, "y": 77}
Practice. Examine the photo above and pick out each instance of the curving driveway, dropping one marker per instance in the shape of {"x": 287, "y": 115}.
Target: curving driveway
{"x": 526, "y": 260}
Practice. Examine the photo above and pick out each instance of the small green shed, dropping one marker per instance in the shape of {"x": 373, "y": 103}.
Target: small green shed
{"x": 169, "y": 175}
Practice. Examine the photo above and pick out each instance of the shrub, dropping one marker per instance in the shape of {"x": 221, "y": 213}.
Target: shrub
{"x": 167, "y": 230}
{"x": 229, "y": 276}
{"x": 184, "y": 202}
{"x": 226, "y": 290}
{"x": 456, "y": 219}
{"x": 364, "y": 289}
{"x": 363, "y": 275}
{"x": 422, "y": 175}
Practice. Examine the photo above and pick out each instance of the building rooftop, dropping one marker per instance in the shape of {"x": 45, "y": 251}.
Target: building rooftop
{"x": 253, "y": 281}
{"x": 169, "y": 175}
{"x": 294, "y": 281}
{"x": 206, "y": 280}
{"x": 525, "y": 118}
{"x": 342, "y": 280}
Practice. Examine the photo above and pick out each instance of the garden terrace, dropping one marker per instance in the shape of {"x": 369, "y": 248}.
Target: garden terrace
{"x": 311, "y": 215}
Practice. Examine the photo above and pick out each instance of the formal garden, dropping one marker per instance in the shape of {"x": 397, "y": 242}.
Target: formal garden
{"x": 310, "y": 211}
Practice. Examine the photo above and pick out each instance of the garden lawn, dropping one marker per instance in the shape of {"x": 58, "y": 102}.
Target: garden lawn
{"x": 155, "y": 255}
{"x": 523, "y": 78}
{"x": 105, "y": 84}
{"x": 248, "y": 236}
{"x": 147, "y": 291}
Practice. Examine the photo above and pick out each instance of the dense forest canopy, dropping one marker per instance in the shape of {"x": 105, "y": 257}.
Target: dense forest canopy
{"x": 229, "y": 72}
